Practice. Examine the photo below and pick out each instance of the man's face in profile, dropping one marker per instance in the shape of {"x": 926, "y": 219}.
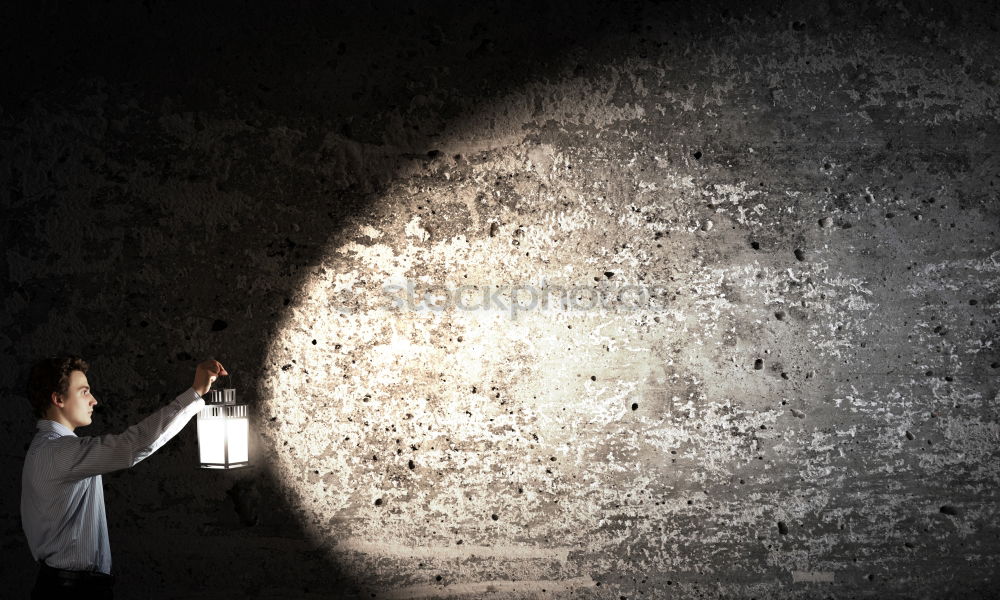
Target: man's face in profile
{"x": 77, "y": 404}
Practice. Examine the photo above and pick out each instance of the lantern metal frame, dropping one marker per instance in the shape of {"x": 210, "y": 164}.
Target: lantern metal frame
{"x": 221, "y": 405}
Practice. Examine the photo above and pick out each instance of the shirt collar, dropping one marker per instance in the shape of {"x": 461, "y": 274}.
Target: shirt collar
{"x": 47, "y": 425}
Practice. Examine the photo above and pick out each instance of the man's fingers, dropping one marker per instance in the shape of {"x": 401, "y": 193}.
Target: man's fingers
{"x": 213, "y": 366}
{"x": 213, "y": 369}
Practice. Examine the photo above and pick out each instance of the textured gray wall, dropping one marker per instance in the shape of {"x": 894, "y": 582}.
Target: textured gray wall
{"x": 800, "y": 400}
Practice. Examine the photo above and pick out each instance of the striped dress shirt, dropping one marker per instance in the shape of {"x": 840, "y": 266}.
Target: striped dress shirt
{"x": 62, "y": 495}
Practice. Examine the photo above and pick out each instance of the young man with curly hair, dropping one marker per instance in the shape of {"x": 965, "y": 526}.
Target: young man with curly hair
{"x": 62, "y": 495}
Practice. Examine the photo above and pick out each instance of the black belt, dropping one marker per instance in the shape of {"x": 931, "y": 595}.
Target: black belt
{"x": 67, "y": 577}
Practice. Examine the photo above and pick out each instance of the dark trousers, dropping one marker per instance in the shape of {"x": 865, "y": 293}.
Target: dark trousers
{"x": 53, "y": 584}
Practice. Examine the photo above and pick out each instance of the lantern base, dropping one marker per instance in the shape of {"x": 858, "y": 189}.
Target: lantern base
{"x": 224, "y": 466}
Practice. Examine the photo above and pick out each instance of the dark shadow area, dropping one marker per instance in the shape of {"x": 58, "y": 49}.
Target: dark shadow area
{"x": 170, "y": 173}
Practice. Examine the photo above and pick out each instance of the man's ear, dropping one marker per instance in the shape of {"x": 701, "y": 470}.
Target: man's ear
{"x": 55, "y": 403}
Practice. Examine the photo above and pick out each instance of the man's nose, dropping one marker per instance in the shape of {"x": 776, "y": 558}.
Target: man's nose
{"x": 93, "y": 400}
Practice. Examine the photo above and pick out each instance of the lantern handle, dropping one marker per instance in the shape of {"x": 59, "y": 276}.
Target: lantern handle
{"x": 230, "y": 381}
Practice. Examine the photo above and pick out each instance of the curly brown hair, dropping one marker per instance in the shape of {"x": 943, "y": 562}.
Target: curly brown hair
{"x": 51, "y": 375}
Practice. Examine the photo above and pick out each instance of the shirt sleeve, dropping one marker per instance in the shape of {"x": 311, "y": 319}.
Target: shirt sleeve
{"x": 80, "y": 457}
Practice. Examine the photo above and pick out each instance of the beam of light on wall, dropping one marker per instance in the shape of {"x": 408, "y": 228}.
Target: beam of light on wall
{"x": 549, "y": 438}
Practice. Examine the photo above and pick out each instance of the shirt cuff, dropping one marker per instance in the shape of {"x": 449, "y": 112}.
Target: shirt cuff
{"x": 189, "y": 397}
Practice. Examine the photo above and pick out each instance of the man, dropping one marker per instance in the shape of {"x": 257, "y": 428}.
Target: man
{"x": 62, "y": 495}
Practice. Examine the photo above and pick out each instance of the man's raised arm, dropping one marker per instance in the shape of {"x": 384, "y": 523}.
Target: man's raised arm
{"x": 80, "y": 457}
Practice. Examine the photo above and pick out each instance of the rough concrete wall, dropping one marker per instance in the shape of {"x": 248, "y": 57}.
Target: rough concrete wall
{"x": 795, "y": 397}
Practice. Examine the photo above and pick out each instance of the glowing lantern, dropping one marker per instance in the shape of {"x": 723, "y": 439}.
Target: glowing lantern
{"x": 223, "y": 432}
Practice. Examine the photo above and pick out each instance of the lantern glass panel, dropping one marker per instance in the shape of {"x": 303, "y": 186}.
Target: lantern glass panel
{"x": 238, "y": 436}
{"x": 211, "y": 437}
